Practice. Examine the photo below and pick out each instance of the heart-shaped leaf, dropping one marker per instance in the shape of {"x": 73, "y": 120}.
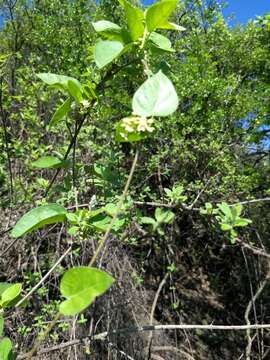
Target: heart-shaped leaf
{"x": 80, "y": 286}
{"x": 155, "y": 97}
{"x": 39, "y": 217}
{"x": 106, "y": 51}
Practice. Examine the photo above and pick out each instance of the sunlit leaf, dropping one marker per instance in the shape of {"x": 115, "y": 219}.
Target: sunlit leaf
{"x": 155, "y": 97}
{"x": 104, "y": 26}
{"x": 172, "y": 26}
{"x": 5, "y": 349}
{"x": 135, "y": 18}
{"x": 59, "y": 81}
{"x": 75, "y": 90}
{"x": 157, "y": 15}
{"x": 39, "y": 217}
{"x": 11, "y": 293}
{"x": 160, "y": 42}
{"x": 107, "y": 51}
{"x": 80, "y": 286}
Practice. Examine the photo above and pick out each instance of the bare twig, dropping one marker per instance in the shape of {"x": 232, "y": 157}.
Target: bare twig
{"x": 163, "y": 282}
{"x": 138, "y": 329}
{"x": 248, "y": 310}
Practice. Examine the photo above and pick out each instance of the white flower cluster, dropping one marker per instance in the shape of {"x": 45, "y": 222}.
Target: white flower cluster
{"x": 138, "y": 124}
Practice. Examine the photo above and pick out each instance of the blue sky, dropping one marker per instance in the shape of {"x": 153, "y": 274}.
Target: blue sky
{"x": 243, "y": 9}
{"x": 247, "y": 9}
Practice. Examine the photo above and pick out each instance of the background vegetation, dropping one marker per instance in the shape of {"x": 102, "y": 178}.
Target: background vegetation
{"x": 199, "y": 264}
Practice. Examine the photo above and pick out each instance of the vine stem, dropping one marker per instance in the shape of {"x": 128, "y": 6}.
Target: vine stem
{"x": 117, "y": 212}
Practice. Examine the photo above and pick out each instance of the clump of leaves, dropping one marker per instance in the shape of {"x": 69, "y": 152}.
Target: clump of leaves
{"x": 162, "y": 217}
{"x": 229, "y": 218}
{"x": 175, "y": 195}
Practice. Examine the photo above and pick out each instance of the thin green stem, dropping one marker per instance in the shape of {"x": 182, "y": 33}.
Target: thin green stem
{"x": 145, "y": 34}
{"x": 117, "y": 212}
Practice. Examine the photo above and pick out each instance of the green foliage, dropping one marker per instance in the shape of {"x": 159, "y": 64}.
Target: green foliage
{"x": 175, "y": 194}
{"x": 135, "y": 19}
{"x": 202, "y": 83}
{"x": 80, "y": 294}
{"x": 1, "y": 326}
{"x": 106, "y": 51}
{"x": 155, "y": 97}
{"x": 58, "y": 81}
{"x": 61, "y": 113}
{"x": 229, "y": 218}
{"x": 161, "y": 217}
{"x": 157, "y": 15}
{"x": 38, "y": 218}
{"x": 8, "y": 294}
{"x": 46, "y": 162}
{"x": 160, "y": 42}
{"x": 5, "y": 349}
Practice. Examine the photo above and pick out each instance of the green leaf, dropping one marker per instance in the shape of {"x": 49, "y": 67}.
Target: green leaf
{"x": 226, "y": 227}
{"x": 226, "y": 209}
{"x": 80, "y": 286}
{"x": 73, "y": 230}
{"x": 100, "y": 222}
{"x": 111, "y": 31}
{"x": 148, "y": 221}
{"x": 10, "y": 294}
{"x": 1, "y": 326}
{"x": 155, "y": 97}
{"x": 106, "y": 51}
{"x": 47, "y": 162}
{"x": 104, "y": 26}
{"x": 238, "y": 209}
{"x": 160, "y": 42}
{"x": 164, "y": 216}
{"x": 135, "y": 18}
{"x": 61, "y": 112}
{"x": 39, "y": 217}
{"x": 157, "y": 15}
{"x": 172, "y": 26}
{"x": 3, "y": 287}
{"x": 111, "y": 209}
{"x": 242, "y": 222}
{"x": 5, "y": 349}
{"x": 59, "y": 81}
{"x": 75, "y": 90}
